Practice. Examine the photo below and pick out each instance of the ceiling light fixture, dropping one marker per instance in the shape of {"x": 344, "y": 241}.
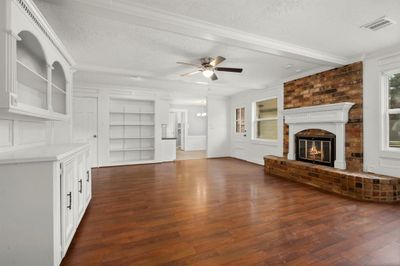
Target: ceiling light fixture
{"x": 208, "y": 73}
{"x": 201, "y": 114}
{"x": 135, "y": 78}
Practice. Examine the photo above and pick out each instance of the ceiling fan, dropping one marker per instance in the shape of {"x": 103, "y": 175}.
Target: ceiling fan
{"x": 208, "y": 66}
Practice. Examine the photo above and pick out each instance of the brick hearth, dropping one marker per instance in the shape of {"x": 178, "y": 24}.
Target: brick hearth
{"x": 357, "y": 185}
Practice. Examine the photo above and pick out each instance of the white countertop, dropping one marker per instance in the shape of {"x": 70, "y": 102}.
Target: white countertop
{"x": 40, "y": 153}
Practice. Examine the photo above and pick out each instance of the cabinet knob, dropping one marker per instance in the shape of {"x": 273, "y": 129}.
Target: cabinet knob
{"x": 94, "y": 136}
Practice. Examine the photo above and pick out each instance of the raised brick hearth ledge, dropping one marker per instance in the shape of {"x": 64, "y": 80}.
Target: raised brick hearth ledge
{"x": 362, "y": 186}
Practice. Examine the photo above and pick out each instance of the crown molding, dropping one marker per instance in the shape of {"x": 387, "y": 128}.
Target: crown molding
{"x": 93, "y": 86}
{"x": 388, "y": 52}
{"x": 167, "y": 21}
{"x": 48, "y": 30}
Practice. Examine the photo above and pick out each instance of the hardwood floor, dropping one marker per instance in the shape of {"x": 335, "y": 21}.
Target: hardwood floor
{"x": 226, "y": 211}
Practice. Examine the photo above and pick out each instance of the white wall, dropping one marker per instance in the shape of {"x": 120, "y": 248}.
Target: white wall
{"x": 15, "y": 134}
{"x": 376, "y": 158}
{"x": 242, "y": 146}
{"x": 196, "y": 143}
{"x": 218, "y": 127}
{"x": 23, "y": 133}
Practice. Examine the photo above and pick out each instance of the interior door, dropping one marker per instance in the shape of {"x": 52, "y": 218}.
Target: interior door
{"x": 85, "y": 127}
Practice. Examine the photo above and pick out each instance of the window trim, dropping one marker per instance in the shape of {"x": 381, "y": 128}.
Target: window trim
{"x": 255, "y": 120}
{"x": 244, "y": 121}
{"x": 386, "y": 111}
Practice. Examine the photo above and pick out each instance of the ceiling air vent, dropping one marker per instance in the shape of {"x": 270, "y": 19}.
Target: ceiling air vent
{"x": 379, "y": 23}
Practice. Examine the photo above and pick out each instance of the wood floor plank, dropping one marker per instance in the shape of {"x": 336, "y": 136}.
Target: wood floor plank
{"x": 227, "y": 212}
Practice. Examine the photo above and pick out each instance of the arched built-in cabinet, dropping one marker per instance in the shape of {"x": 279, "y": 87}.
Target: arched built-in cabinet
{"x": 37, "y": 72}
{"x": 32, "y": 78}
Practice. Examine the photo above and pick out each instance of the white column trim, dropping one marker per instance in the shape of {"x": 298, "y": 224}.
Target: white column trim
{"x": 329, "y": 117}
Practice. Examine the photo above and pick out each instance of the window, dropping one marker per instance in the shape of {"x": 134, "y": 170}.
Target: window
{"x": 240, "y": 127}
{"x": 266, "y": 119}
{"x": 393, "y": 109}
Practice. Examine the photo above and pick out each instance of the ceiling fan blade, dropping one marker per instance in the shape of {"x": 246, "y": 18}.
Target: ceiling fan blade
{"x": 229, "y": 69}
{"x": 187, "y": 64}
{"x": 213, "y": 77}
{"x": 191, "y": 73}
{"x": 218, "y": 60}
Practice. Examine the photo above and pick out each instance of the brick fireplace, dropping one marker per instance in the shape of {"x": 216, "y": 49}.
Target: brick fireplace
{"x": 343, "y": 84}
{"x": 328, "y": 107}
{"x": 330, "y": 118}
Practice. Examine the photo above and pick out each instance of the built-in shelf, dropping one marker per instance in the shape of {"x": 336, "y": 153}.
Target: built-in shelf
{"x": 32, "y": 87}
{"x": 37, "y": 89}
{"x": 59, "y": 92}
{"x": 30, "y": 71}
{"x": 131, "y": 124}
{"x": 58, "y": 89}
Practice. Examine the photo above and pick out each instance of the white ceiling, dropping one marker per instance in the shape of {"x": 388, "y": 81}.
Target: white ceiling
{"x": 325, "y": 25}
{"x": 112, "y": 40}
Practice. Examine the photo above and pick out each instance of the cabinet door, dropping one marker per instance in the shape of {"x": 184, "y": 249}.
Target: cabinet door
{"x": 67, "y": 203}
{"x": 80, "y": 177}
{"x": 88, "y": 180}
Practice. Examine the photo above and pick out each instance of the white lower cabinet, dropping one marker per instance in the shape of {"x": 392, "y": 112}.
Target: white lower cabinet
{"x": 44, "y": 192}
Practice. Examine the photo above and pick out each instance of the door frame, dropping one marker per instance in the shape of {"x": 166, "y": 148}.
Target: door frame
{"x": 96, "y": 97}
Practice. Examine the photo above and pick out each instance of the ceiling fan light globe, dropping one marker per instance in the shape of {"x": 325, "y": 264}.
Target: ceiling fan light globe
{"x": 208, "y": 73}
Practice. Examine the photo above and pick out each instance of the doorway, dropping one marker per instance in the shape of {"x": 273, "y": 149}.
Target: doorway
{"x": 188, "y": 124}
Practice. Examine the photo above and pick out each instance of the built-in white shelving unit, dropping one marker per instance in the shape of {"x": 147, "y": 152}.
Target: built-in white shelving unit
{"x": 38, "y": 70}
{"x": 131, "y": 133}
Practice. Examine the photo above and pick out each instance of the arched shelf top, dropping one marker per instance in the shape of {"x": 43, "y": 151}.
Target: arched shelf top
{"x": 59, "y": 78}
{"x": 31, "y": 54}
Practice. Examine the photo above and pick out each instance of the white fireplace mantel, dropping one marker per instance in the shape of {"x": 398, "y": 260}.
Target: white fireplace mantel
{"x": 329, "y": 117}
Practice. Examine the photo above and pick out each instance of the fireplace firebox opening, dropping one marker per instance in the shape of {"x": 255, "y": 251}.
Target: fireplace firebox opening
{"x": 316, "y": 149}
